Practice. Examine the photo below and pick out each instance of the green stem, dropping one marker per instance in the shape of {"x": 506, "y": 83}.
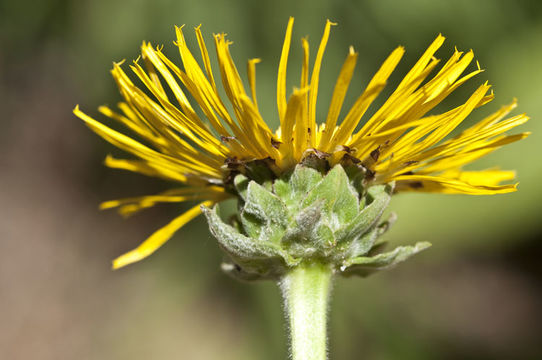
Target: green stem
{"x": 305, "y": 290}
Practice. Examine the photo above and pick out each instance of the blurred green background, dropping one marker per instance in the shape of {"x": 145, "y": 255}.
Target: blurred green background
{"x": 475, "y": 295}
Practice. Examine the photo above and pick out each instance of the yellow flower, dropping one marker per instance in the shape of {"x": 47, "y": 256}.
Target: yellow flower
{"x": 399, "y": 142}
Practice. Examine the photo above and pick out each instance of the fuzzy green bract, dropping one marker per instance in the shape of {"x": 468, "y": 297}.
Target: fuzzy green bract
{"x": 307, "y": 215}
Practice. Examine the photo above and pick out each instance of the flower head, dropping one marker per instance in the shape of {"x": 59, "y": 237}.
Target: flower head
{"x": 204, "y": 143}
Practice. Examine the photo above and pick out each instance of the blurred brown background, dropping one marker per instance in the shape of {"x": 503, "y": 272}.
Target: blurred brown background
{"x": 475, "y": 295}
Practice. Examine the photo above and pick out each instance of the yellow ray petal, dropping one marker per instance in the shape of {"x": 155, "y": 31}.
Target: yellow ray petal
{"x": 462, "y": 157}
{"x": 132, "y": 205}
{"x": 166, "y": 116}
{"x": 404, "y": 150}
{"x": 205, "y": 56}
{"x": 130, "y": 145}
{"x": 378, "y": 80}
{"x": 315, "y": 78}
{"x": 493, "y": 118}
{"x": 489, "y": 177}
{"x": 251, "y": 70}
{"x": 138, "y": 119}
{"x": 337, "y": 99}
{"x": 400, "y": 101}
{"x": 235, "y": 91}
{"x": 301, "y": 129}
{"x": 158, "y": 239}
{"x": 281, "y": 77}
{"x": 344, "y": 132}
{"x": 206, "y": 96}
{"x": 444, "y": 185}
{"x": 151, "y": 71}
{"x": 150, "y": 54}
{"x": 453, "y": 145}
{"x": 256, "y": 134}
{"x": 439, "y": 87}
{"x": 293, "y": 116}
{"x": 305, "y": 65}
{"x": 257, "y": 130}
{"x": 137, "y": 128}
{"x": 419, "y": 67}
{"x": 143, "y": 167}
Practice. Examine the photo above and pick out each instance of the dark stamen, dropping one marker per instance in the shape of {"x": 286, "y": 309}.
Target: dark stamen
{"x": 375, "y": 153}
{"x": 226, "y": 138}
{"x": 275, "y": 143}
{"x": 416, "y": 184}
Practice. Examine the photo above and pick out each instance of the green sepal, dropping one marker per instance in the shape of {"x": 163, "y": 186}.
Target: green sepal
{"x": 356, "y": 173}
{"x": 366, "y": 265}
{"x": 365, "y": 244}
{"x": 380, "y": 197}
{"x": 300, "y": 231}
{"x": 264, "y": 215}
{"x": 253, "y": 255}
{"x": 240, "y": 182}
{"x": 293, "y": 187}
{"x": 340, "y": 201}
{"x": 324, "y": 236}
{"x": 265, "y": 205}
{"x": 311, "y": 214}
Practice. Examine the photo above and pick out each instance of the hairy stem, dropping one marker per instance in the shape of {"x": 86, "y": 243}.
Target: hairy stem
{"x": 305, "y": 290}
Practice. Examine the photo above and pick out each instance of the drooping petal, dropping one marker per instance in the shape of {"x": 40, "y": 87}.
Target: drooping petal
{"x": 159, "y": 238}
{"x": 130, "y": 206}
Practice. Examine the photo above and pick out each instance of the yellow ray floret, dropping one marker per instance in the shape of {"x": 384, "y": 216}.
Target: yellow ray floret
{"x": 159, "y": 237}
{"x": 195, "y": 142}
